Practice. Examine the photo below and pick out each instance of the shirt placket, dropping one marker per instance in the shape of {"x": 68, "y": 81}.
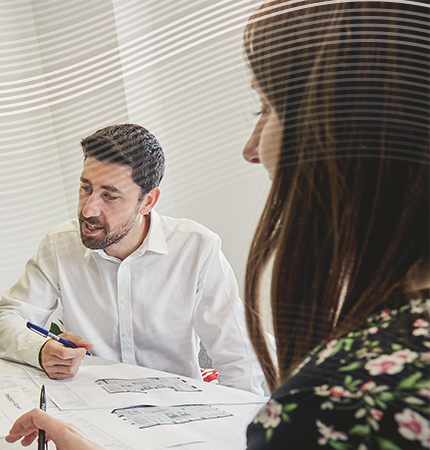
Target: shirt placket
{"x": 125, "y": 313}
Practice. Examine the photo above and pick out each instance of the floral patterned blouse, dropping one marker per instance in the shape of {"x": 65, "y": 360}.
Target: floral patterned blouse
{"x": 369, "y": 390}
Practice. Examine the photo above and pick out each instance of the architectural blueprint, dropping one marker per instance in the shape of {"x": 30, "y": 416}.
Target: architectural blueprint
{"x": 150, "y": 416}
{"x": 143, "y": 385}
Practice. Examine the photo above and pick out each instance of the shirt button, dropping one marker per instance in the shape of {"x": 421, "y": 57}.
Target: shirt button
{"x": 122, "y": 300}
{"x": 124, "y": 334}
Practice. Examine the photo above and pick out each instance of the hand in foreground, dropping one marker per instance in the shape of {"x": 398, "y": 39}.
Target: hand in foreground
{"x": 61, "y": 362}
{"x": 64, "y": 435}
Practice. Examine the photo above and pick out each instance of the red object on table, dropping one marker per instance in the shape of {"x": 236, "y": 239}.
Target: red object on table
{"x": 210, "y": 375}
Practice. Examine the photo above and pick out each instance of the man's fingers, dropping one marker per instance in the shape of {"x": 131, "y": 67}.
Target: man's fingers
{"x": 77, "y": 340}
{"x": 61, "y": 374}
{"x": 56, "y": 349}
{"x": 61, "y": 362}
{"x": 65, "y": 359}
{"x": 61, "y": 371}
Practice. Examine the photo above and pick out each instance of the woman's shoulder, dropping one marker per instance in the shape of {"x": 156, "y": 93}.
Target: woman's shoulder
{"x": 370, "y": 389}
{"x": 389, "y": 345}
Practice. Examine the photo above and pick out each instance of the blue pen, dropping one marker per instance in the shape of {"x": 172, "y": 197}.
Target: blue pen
{"x": 46, "y": 333}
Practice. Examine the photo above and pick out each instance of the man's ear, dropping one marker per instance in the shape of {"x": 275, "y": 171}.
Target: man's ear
{"x": 149, "y": 201}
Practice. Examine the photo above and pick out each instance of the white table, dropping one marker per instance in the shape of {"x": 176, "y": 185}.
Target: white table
{"x": 96, "y": 418}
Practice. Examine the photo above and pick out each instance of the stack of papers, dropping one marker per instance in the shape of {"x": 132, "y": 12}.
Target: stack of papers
{"x": 121, "y": 406}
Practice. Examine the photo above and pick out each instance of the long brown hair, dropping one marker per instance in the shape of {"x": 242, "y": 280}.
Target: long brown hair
{"x": 347, "y": 218}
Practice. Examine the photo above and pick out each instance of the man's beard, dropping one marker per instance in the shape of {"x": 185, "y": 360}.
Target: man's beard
{"x": 109, "y": 237}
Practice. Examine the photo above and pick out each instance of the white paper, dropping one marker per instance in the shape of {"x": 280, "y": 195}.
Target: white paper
{"x": 162, "y": 436}
{"x": 145, "y": 385}
{"x": 99, "y": 400}
{"x": 14, "y": 402}
{"x": 235, "y": 441}
{"x": 102, "y": 436}
{"x": 152, "y": 416}
{"x": 10, "y": 368}
{"x": 88, "y": 391}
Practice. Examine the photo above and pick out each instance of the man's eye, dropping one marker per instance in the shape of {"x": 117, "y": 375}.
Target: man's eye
{"x": 110, "y": 197}
{"x": 85, "y": 188}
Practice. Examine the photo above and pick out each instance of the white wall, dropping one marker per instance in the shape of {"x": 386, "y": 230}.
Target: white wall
{"x": 175, "y": 67}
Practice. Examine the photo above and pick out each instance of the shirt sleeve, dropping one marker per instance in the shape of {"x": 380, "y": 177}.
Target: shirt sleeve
{"x": 219, "y": 320}
{"x": 33, "y": 298}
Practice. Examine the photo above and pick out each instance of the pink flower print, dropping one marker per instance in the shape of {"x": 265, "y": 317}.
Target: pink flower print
{"x": 339, "y": 391}
{"x": 328, "y": 350}
{"x": 368, "y": 386}
{"x": 360, "y": 413}
{"x": 329, "y": 434}
{"x": 270, "y": 415}
{"x": 413, "y": 427}
{"x": 418, "y": 306}
{"x": 327, "y": 405}
{"x": 425, "y": 356}
{"x": 376, "y": 414}
{"x": 421, "y": 332}
{"x": 424, "y": 392}
{"x": 373, "y": 330}
{"x": 406, "y": 354}
{"x": 323, "y": 390}
{"x": 385, "y": 314}
{"x": 421, "y": 323}
{"x": 385, "y": 364}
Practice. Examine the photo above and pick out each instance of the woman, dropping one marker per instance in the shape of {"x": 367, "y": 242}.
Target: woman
{"x": 344, "y": 135}
{"x": 346, "y": 223}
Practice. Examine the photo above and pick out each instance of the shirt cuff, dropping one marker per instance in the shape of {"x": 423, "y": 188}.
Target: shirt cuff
{"x": 31, "y": 349}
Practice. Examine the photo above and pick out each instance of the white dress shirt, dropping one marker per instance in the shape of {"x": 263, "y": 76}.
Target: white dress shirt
{"x": 150, "y": 309}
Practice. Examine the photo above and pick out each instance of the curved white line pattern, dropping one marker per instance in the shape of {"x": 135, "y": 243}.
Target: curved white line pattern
{"x": 175, "y": 66}
{"x": 68, "y": 68}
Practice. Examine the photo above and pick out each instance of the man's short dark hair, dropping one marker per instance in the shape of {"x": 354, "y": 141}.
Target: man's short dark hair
{"x": 130, "y": 145}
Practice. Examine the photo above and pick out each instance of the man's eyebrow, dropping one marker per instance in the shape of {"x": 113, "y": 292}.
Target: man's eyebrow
{"x": 111, "y": 189}
{"x": 105, "y": 187}
{"x": 84, "y": 180}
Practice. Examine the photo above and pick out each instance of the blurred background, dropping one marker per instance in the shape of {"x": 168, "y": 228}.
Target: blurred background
{"x": 176, "y": 67}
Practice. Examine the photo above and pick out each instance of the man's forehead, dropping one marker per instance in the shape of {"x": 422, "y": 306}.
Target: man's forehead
{"x": 107, "y": 174}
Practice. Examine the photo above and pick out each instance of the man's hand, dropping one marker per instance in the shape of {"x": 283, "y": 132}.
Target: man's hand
{"x": 65, "y": 436}
{"x": 61, "y": 362}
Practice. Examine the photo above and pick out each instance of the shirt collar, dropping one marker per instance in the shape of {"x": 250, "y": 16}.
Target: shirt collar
{"x": 155, "y": 241}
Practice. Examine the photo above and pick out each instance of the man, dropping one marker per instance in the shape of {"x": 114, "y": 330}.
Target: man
{"x": 142, "y": 288}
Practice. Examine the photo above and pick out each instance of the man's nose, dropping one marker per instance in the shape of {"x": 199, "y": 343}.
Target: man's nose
{"x": 91, "y": 207}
